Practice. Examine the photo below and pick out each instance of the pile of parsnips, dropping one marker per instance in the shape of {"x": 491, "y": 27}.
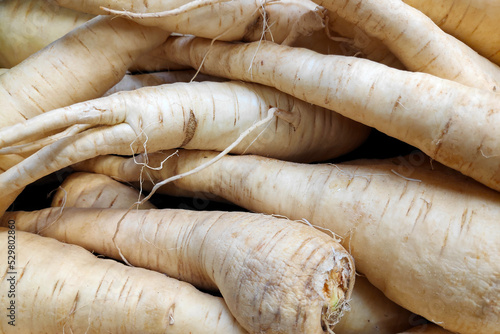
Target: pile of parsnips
{"x": 281, "y": 84}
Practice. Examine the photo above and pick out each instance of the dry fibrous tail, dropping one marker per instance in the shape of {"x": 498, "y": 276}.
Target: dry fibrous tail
{"x": 80, "y": 293}
{"x": 89, "y": 190}
{"x": 454, "y": 124}
{"x": 235, "y": 20}
{"x": 427, "y": 238}
{"x": 417, "y": 41}
{"x": 28, "y": 26}
{"x": 290, "y": 279}
{"x": 197, "y": 115}
{"x": 475, "y": 22}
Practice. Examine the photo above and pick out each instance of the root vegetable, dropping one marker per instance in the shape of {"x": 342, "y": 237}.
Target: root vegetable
{"x": 417, "y": 41}
{"x": 89, "y": 190}
{"x": 136, "y": 81}
{"x": 290, "y": 279}
{"x": 247, "y": 20}
{"x": 452, "y": 123}
{"x": 61, "y": 288}
{"x": 206, "y": 115}
{"x": 439, "y": 260}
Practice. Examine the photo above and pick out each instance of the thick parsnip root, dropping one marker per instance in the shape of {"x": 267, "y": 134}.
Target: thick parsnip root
{"x": 61, "y": 288}
{"x": 475, "y": 22}
{"x": 89, "y": 190}
{"x": 281, "y": 21}
{"x": 417, "y": 41}
{"x": 198, "y": 115}
{"x": 427, "y": 238}
{"x": 275, "y": 275}
{"x": 29, "y": 25}
{"x": 452, "y": 123}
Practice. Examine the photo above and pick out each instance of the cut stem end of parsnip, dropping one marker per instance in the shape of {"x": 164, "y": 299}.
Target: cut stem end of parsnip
{"x": 336, "y": 290}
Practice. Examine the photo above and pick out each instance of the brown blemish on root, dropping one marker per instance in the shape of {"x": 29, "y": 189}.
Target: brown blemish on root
{"x": 190, "y": 128}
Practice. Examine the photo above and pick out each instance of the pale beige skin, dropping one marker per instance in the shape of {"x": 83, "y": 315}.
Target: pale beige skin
{"x": 245, "y": 20}
{"x": 27, "y": 26}
{"x": 197, "y": 115}
{"x": 89, "y": 190}
{"x": 290, "y": 279}
{"x": 452, "y": 123}
{"x": 428, "y": 239}
{"x": 475, "y": 22}
{"x": 417, "y": 41}
{"x": 64, "y": 288}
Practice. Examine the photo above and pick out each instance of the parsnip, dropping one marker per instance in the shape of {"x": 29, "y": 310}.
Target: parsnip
{"x": 290, "y": 279}
{"x": 281, "y": 21}
{"x": 417, "y": 41}
{"x": 198, "y": 115}
{"x": 452, "y": 123}
{"x": 61, "y": 288}
{"x": 89, "y": 190}
{"x": 427, "y": 238}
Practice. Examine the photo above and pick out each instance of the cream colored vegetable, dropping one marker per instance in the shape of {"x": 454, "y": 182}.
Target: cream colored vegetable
{"x": 281, "y": 21}
{"x": 89, "y": 190}
{"x": 417, "y": 41}
{"x": 61, "y": 288}
{"x": 290, "y": 279}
